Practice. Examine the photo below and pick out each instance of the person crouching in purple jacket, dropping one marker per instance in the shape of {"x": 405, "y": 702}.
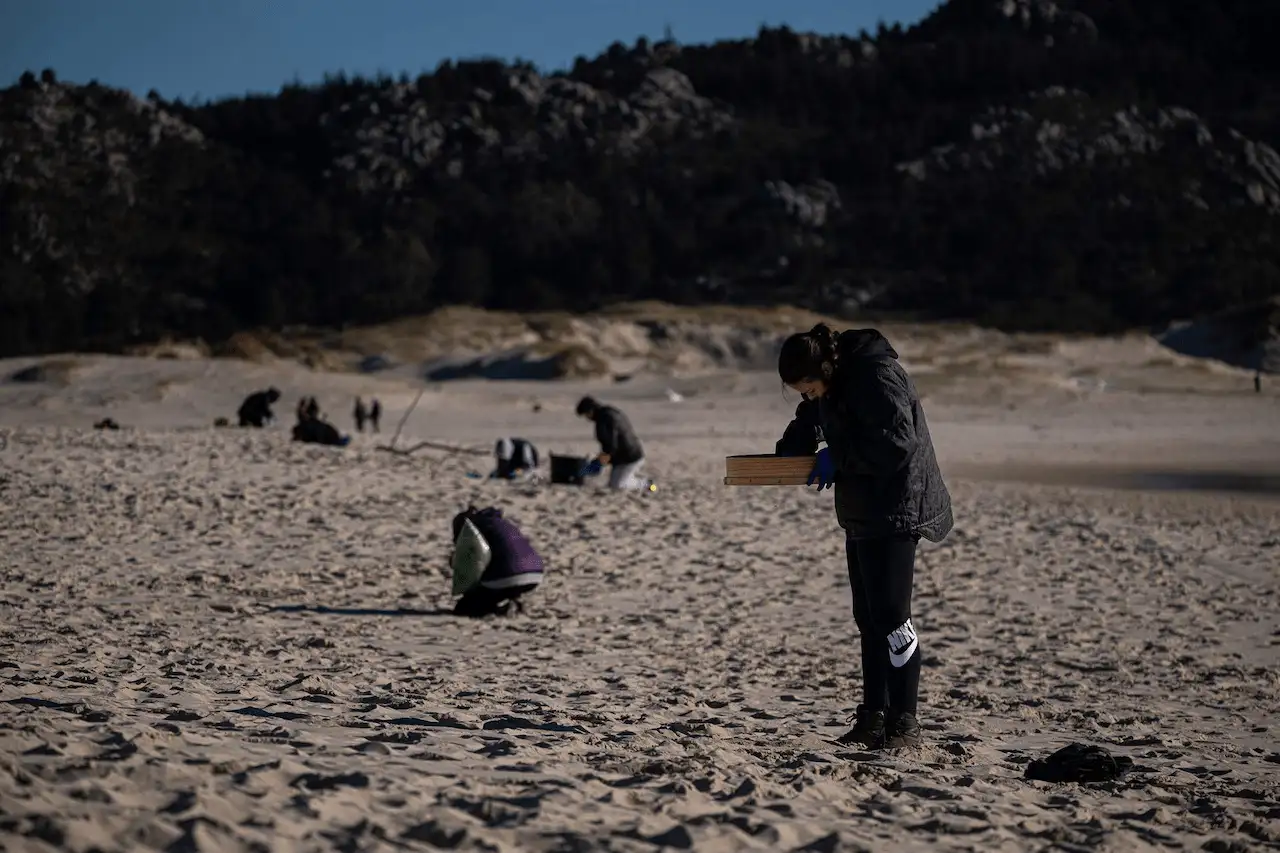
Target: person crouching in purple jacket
{"x": 514, "y": 569}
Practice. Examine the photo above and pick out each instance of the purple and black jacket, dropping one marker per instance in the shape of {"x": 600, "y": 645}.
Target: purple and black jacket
{"x": 515, "y": 562}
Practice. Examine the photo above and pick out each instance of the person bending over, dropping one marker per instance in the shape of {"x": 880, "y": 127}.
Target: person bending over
{"x": 888, "y": 493}
{"x": 312, "y": 429}
{"x": 515, "y": 567}
{"x": 514, "y": 457}
{"x": 255, "y": 411}
{"x": 620, "y": 448}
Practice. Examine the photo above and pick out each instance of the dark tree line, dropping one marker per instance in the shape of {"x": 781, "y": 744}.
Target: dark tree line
{"x": 257, "y": 226}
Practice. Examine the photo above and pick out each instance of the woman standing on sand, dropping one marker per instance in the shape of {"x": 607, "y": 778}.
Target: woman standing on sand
{"x": 888, "y": 493}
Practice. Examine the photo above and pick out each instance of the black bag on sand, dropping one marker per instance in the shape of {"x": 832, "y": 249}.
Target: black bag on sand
{"x": 1079, "y": 762}
{"x": 567, "y": 470}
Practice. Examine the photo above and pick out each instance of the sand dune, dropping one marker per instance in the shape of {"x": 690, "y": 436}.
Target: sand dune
{"x": 220, "y": 640}
{"x": 651, "y": 338}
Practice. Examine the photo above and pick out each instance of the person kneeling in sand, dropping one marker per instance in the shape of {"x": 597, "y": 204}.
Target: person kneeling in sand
{"x": 255, "y": 411}
{"x": 620, "y": 447}
{"x": 514, "y": 566}
{"x": 515, "y": 457}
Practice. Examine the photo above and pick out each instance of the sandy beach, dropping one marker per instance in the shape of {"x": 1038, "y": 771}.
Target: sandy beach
{"x": 219, "y": 640}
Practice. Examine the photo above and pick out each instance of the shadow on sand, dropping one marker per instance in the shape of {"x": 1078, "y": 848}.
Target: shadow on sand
{"x": 1242, "y": 483}
{"x": 1207, "y": 481}
{"x": 358, "y": 611}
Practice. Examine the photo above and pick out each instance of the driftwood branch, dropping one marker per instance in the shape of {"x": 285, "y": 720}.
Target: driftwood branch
{"x": 434, "y": 445}
{"x": 405, "y": 417}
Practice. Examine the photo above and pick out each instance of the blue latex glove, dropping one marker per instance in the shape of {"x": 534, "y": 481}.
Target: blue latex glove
{"x": 824, "y": 470}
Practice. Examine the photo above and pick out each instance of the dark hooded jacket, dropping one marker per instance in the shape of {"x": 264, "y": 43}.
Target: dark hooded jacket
{"x": 513, "y": 456}
{"x": 316, "y": 431}
{"x": 887, "y": 475}
{"x": 617, "y": 437}
{"x": 256, "y": 408}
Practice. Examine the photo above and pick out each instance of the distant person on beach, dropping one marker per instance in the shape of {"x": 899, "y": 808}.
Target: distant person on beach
{"x": 888, "y": 493}
{"x": 255, "y": 411}
{"x": 312, "y": 429}
{"x": 515, "y": 567}
{"x": 513, "y": 457}
{"x": 317, "y": 431}
{"x": 375, "y": 413}
{"x": 620, "y": 448}
{"x": 1257, "y": 382}
{"x": 308, "y": 409}
{"x": 361, "y": 415}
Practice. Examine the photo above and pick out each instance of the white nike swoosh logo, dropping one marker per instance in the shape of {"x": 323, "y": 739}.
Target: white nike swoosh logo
{"x": 900, "y": 658}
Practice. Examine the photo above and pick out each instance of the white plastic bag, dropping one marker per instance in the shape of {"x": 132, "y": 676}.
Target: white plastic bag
{"x": 471, "y": 556}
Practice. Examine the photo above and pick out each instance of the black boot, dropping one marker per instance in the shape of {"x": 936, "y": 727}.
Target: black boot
{"x": 868, "y": 728}
{"x": 901, "y": 730}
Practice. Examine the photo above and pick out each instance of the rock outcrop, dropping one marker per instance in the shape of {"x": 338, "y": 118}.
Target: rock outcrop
{"x": 384, "y": 139}
{"x": 83, "y": 149}
{"x": 56, "y": 133}
{"x": 1057, "y": 130}
{"x": 1048, "y": 20}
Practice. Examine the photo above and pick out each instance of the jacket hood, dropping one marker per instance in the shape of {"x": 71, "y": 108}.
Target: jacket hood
{"x": 864, "y": 343}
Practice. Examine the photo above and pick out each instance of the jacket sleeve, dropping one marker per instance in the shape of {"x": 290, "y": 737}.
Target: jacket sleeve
{"x": 885, "y": 425}
{"x": 800, "y": 438}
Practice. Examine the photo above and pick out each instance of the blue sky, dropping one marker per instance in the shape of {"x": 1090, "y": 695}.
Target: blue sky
{"x": 215, "y": 48}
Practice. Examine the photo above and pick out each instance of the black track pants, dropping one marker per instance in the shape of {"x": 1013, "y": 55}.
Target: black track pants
{"x": 880, "y": 573}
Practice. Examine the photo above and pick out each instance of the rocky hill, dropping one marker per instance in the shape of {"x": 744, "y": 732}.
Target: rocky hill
{"x": 1084, "y": 166}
